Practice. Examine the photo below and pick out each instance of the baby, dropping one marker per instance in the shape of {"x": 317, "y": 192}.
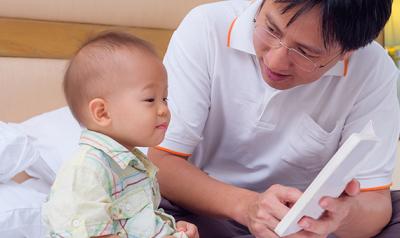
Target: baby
{"x": 116, "y": 87}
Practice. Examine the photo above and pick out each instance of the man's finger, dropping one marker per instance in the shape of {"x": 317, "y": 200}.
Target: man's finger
{"x": 286, "y": 194}
{"x": 260, "y": 230}
{"x": 322, "y": 226}
{"x": 276, "y": 201}
{"x": 353, "y": 188}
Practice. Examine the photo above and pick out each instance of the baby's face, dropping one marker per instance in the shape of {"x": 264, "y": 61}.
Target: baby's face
{"x": 138, "y": 107}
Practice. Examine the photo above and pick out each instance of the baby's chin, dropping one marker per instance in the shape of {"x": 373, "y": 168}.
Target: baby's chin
{"x": 155, "y": 144}
{"x": 152, "y": 143}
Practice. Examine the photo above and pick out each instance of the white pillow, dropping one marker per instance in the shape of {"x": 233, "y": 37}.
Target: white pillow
{"x": 56, "y": 136}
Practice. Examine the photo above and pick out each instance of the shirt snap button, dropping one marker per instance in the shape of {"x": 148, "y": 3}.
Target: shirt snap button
{"x": 75, "y": 223}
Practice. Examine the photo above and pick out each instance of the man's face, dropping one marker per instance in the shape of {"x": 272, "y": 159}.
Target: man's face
{"x": 284, "y": 68}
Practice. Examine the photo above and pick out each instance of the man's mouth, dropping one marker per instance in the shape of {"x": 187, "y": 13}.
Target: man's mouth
{"x": 274, "y": 76}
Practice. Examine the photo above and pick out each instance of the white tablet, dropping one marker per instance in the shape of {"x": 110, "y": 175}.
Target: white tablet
{"x": 332, "y": 179}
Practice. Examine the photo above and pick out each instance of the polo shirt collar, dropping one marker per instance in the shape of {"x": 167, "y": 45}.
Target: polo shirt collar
{"x": 240, "y": 36}
{"x": 117, "y": 152}
{"x": 339, "y": 69}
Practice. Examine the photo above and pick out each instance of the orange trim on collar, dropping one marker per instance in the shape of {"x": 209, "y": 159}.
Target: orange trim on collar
{"x": 346, "y": 67}
{"x": 230, "y": 31}
{"x": 172, "y": 152}
{"x": 384, "y": 187}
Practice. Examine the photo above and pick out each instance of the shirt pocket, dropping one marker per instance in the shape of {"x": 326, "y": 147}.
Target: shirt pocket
{"x": 130, "y": 204}
{"x": 310, "y": 146}
{"x": 140, "y": 219}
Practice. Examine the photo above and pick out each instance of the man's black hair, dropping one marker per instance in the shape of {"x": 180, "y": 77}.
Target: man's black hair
{"x": 350, "y": 23}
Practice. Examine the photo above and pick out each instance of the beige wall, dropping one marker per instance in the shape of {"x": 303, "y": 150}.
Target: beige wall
{"x": 140, "y": 13}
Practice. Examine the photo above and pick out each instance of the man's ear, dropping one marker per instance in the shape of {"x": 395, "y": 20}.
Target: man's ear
{"x": 99, "y": 112}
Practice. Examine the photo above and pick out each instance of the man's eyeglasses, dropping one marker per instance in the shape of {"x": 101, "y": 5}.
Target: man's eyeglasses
{"x": 298, "y": 58}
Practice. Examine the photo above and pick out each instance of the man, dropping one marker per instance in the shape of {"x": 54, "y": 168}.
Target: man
{"x": 262, "y": 94}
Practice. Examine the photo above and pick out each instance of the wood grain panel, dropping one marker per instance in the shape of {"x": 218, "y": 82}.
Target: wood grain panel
{"x": 59, "y": 40}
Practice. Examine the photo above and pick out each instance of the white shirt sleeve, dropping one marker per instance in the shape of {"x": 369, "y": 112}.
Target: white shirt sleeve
{"x": 379, "y": 103}
{"x": 187, "y": 61}
{"x": 16, "y": 151}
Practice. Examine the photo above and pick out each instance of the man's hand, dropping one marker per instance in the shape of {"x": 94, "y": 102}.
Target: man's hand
{"x": 271, "y": 206}
{"x": 336, "y": 212}
{"x": 189, "y": 229}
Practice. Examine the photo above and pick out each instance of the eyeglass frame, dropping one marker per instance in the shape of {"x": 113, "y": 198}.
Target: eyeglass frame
{"x": 279, "y": 40}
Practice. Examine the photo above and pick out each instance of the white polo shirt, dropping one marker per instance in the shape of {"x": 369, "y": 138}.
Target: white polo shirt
{"x": 241, "y": 131}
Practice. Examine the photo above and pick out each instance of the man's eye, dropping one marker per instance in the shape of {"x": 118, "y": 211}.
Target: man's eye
{"x": 149, "y": 100}
{"x": 302, "y": 51}
{"x": 271, "y": 29}
{"x": 305, "y": 53}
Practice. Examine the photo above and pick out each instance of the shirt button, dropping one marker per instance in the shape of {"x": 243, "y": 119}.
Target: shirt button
{"x": 121, "y": 234}
{"x": 53, "y": 235}
{"x": 75, "y": 223}
{"x": 128, "y": 207}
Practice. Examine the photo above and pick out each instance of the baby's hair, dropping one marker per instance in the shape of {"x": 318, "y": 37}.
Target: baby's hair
{"x": 87, "y": 74}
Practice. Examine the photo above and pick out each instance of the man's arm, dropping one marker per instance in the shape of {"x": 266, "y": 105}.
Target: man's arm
{"x": 197, "y": 191}
{"x": 353, "y": 214}
{"x": 357, "y": 215}
{"x": 371, "y": 212}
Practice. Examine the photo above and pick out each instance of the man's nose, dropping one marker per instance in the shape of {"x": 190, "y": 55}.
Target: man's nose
{"x": 276, "y": 59}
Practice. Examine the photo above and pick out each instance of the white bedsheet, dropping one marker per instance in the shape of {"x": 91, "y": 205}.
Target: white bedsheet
{"x": 20, "y": 211}
{"x": 39, "y": 146}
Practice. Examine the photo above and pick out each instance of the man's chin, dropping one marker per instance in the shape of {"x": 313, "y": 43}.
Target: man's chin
{"x": 279, "y": 85}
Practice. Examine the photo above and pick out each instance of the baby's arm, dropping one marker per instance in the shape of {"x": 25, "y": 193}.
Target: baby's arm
{"x": 80, "y": 191}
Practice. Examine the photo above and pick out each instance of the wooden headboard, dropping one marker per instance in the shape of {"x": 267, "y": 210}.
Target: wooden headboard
{"x": 38, "y": 37}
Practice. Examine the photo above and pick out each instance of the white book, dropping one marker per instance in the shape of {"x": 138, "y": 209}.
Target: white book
{"x": 331, "y": 180}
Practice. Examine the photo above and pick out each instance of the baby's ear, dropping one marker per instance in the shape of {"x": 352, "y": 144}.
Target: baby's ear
{"x": 99, "y": 112}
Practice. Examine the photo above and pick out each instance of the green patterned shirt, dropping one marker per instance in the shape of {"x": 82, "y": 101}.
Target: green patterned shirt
{"x": 106, "y": 189}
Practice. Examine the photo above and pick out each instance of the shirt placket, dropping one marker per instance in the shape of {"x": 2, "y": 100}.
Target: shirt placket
{"x": 270, "y": 110}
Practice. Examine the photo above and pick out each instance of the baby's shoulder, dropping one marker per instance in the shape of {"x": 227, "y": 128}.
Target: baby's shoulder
{"x": 86, "y": 158}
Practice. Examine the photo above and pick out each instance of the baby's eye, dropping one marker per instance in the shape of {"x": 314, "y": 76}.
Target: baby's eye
{"x": 165, "y": 99}
{"x": 149, "y": 100}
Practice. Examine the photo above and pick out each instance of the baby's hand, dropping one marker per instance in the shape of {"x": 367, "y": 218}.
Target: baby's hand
{"x": 189, "y": 229}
